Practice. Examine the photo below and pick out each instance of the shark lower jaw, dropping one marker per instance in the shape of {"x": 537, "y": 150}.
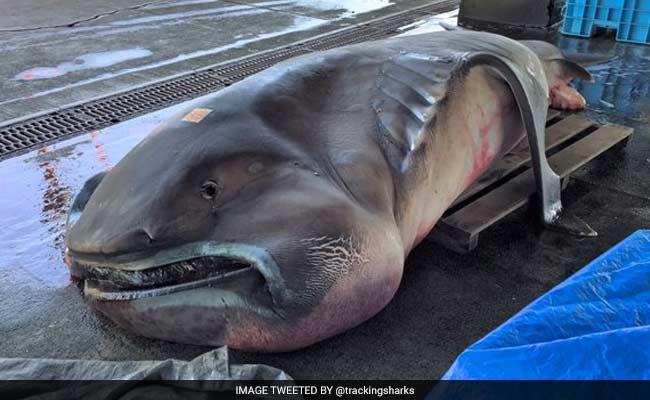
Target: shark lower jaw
{"x": 237, "y": 311}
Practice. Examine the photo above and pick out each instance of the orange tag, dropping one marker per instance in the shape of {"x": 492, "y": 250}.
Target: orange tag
{"x": 197, "y": 115}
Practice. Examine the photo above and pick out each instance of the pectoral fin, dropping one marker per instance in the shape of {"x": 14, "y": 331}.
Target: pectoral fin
{"x": 409, "y": 89}
{"x": 81, "y": 199}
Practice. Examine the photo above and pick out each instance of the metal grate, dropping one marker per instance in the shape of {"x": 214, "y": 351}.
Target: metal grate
{"x": 24, "y": 135}
{"x": 238, "y": 70}
{"x": 345, "y": 38}
{"x": 99, "y": 114}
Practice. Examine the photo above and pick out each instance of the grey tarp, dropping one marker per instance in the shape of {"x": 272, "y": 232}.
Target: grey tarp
{"x": 207, "y": 373}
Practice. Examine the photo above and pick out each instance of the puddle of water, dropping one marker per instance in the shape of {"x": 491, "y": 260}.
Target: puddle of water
{"x": 621, "y": 84}
{"x": 84, "y": 62}
{"x": 351, "y": 7}
{"x": 437, "y": 23}
{"x": 38, "y": 189}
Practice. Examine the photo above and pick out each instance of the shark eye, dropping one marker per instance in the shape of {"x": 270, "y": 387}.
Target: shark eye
{"x": 210, "y": 189}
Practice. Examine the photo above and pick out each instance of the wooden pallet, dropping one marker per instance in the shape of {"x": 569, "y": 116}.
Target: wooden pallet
{"x": 571, "y": 142}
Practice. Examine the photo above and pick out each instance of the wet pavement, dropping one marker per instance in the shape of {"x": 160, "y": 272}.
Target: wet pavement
{"x": 72, "y": 51}
{"x": 445, "y": 303}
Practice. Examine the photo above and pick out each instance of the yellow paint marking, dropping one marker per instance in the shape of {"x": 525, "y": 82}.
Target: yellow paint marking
{"x": 197, "y": 115}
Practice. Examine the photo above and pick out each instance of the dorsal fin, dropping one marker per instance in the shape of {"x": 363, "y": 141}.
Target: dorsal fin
{"x": 409, "y": 89}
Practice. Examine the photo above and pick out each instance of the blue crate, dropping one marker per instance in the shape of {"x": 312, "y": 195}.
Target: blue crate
{"x": 630, "y": 18}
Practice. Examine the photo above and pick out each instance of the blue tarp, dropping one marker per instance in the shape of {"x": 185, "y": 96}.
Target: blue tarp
{"x": 594, "y": 325}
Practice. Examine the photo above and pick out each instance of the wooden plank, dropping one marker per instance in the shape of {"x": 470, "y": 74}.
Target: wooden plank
{"x": 552, "y": 114}
{"x": 588, "y": 148}
{"x": 469, "y": 221}
{"x": 556, "y": 135}
{"x": 453, "y": 238}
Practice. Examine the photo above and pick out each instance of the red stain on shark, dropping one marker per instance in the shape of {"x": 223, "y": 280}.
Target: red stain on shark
{"x": 484, "y": 153}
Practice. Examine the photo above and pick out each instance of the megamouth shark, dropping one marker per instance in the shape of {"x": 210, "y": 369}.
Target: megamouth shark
{"x": 279, "y": 211}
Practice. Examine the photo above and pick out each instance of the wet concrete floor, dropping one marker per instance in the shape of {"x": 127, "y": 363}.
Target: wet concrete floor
{"x": 445, "y": 303}
{"x": 71, "y": 51}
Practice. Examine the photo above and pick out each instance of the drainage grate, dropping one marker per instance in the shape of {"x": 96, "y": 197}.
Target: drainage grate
{"x": 105, "y": 112}
{"x": 22, "y": 136}
{"x": 238, "y": 70}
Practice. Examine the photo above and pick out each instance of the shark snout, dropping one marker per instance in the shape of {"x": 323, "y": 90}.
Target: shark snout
{"x": 135, "y": 240}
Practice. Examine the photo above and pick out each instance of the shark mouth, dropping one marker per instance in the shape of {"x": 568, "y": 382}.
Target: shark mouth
{"x": 173, "y": 270}
{"x": 106, "y": 283}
